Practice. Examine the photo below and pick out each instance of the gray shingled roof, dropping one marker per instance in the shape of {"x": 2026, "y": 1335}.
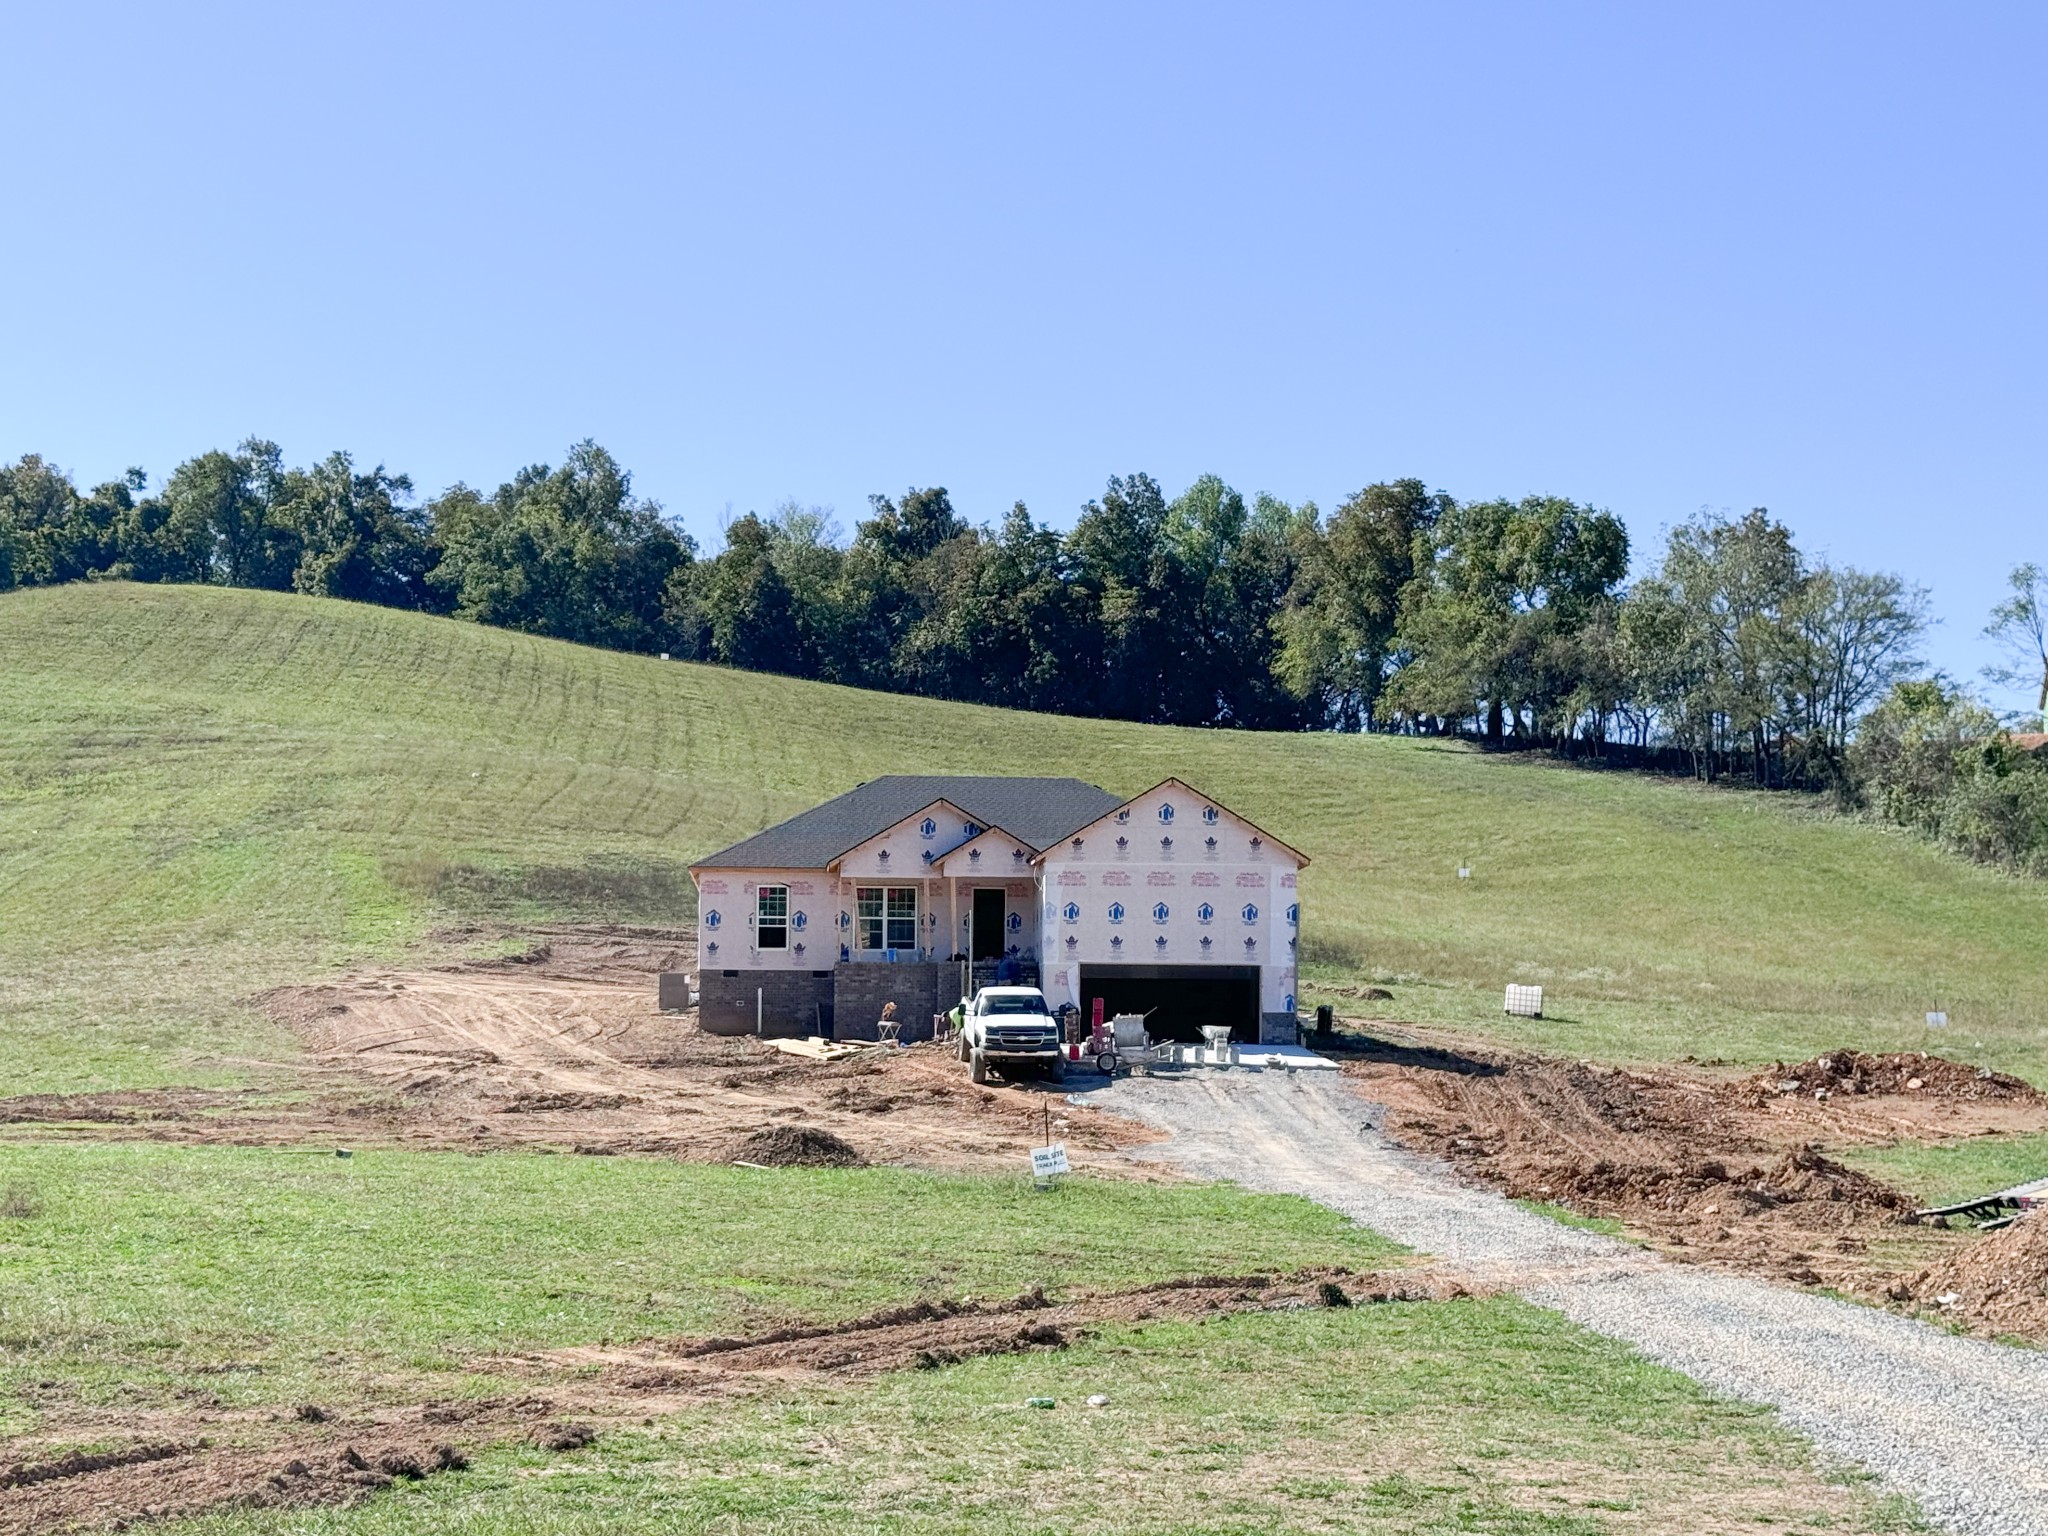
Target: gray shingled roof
{"x": 1040, "y": 811}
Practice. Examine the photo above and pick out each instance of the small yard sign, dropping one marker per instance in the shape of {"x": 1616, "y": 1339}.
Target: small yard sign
{"x": 1937, "y": 1021}
{"x": 1048, "y": 1161}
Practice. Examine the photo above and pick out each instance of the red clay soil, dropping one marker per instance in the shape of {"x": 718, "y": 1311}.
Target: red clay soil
{"x": 561, "y": 1045}
{"x": 318, "y": 1456}
{"x": 1732, "y": 1172}
{"x": 1900, "y": 1073}
{"x": 2000, "y": 1280}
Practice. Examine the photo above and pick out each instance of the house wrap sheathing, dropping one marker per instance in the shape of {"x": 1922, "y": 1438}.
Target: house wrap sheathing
{"x": 914, "y": 889}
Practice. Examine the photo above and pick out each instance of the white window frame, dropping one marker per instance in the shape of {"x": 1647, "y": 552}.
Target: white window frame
{"x": 869, "y": 924}
{"x": 892, "y": 923}
{"x": 763, "y": 928}
{"x": 878, "y": 918}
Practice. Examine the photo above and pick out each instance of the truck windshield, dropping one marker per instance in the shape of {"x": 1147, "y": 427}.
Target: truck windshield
{"x": 1016, "y": 1002}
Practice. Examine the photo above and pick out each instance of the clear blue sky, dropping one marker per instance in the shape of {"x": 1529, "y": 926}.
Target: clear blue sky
{"x": 1648, "y": 256}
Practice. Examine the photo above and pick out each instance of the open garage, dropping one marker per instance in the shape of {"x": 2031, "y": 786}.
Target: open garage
{"x": 1180, "y": 999}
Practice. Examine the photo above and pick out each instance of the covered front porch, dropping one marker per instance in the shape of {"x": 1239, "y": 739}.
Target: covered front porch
{"x": 938, "y": 919}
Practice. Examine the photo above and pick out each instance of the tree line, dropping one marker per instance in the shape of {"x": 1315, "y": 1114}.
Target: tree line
{"x": 1513, "y": 621}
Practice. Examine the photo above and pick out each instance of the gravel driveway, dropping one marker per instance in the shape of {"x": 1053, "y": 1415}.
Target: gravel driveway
{"x": 1958, "y": 1424}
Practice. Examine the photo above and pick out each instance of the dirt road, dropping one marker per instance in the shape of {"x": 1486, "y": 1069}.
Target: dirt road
{"x": 1959, "y": 1424}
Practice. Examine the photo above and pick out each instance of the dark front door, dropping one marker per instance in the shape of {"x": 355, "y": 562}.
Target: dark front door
{"x": 988, "y": 925}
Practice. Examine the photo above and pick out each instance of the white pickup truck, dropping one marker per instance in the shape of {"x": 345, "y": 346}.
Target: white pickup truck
{"x": 1012, "y": 1030}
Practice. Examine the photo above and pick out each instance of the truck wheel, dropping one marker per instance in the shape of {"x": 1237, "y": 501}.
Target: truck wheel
{"x": 1056, "y": 1073}
{"x": 1106, "y": 1063}
{"x": 977, "y": 1067}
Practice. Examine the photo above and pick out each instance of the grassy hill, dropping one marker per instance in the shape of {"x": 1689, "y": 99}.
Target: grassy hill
{"x": 206, "y": 792}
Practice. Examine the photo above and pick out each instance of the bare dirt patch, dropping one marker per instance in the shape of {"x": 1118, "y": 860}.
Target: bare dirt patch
{"x": 341, "y": 1456}
{"x": 1728, "y": 1171}
{"x": 561, "y": 1045}
{"x": 930, "y": 1333}
{"x": 126, "y": 1107}
{"x": 116, "y": 1489}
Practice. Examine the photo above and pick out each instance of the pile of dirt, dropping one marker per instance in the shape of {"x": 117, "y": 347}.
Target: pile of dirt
{"x": 925, "y": 1334}
{"x": 2001, "y": 1279}
{"x": 149, "y": 1482}
{"x": 795, "y": 1146}
{"x": 1803, "y": 1174}
{"x": 1732, "y": 1172}
{"x": 26, "y": 1474}
{"x": 1899, "y": 1072}
{"x": 126, "y": 1106}
{"x": 1710, "y": 1187}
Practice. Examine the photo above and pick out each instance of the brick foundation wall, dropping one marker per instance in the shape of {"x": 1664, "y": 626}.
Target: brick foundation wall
{"x": 918, "y": 989}
{"x": 793, "y": 1003}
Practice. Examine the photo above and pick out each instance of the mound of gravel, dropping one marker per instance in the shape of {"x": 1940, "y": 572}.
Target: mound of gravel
{"x": 795, "y": 1146}
{"x": 1908, "y": 1072}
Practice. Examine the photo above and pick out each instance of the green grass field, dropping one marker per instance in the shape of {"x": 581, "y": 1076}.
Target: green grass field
{"x": 143, "y": 1268}
{"x": 1472, "y": 1416}
{"x": 1942, "y": 1173}
{"x": 135, "y": 1278}
{"x": 205, "y": 792}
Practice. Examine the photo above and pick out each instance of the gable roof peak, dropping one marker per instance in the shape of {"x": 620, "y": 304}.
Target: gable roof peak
{"x": 1202, "y": 795}
{"x": 1036, "y": 811}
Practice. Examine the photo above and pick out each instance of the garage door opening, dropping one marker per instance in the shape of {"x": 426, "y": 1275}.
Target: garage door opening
{"x": 1179, "y": 998}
